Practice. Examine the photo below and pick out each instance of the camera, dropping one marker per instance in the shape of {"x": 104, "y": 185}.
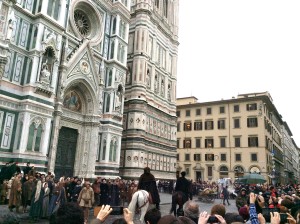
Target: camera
{"x": 212, "y": 219}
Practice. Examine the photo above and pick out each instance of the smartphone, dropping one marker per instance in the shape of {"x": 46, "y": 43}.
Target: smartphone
{"x": 266, "y": 213}
{"x": 283, "y": 218}
{"x": 212, "y": 219}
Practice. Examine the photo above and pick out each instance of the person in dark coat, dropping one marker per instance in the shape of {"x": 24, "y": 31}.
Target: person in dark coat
{"x": 185, "y": 186}
{"x": 147, "y": 182}
{"x": 225, "y": 195}
{"x": 104, "y": 193}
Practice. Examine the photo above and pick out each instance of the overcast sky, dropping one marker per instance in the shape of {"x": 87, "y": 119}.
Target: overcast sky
{"x": 233, "y": 47}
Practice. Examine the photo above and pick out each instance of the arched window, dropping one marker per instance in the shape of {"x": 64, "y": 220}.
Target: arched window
{"x": 223, "y": 171}
{"x": 34, "y": 137}
{"x": 104, "y": 149}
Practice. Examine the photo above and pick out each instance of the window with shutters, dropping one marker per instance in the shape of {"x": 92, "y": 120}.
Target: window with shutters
{"x": 209, "y": 143}
{"x": 252, "y": 141}
{"x": 236, "y": 123}
{"x": 178, "y": 113}
{"x": 197, "y": 157}
{"x": 187, "y": 143}
{"x": 198, "y": 112}
{"x": 209, "y": 171}
{"x": 238, "y": 157}
{"x": 187, "y": 157}
{"x": 187, "y": 113}
{"x": 209, "y": 125}
{"x": 198, "y": 143}
{"x": 223, "y": 157}
{"x": 178, "y": 157}
{"x": 251, "y": 106}
{"x": 222, "y": 110}
{"x": 188, "y": 126}
{"x": 252, "y": 122}
{"x": 221, "y": 124}
{"x": 237, "y": 141}
{"x": 197, "y": 125}
{"x": 236, "y": 108}
{"x": 208, "y": 110}
{"x": 222, "y": 142}
{"x": 254, "y": 157}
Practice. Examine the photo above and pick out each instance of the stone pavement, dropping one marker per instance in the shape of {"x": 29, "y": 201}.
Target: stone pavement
{"x": 165, "y": 207}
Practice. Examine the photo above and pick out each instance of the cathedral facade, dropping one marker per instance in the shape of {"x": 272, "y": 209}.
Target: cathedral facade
{"x": 69, "y": 86}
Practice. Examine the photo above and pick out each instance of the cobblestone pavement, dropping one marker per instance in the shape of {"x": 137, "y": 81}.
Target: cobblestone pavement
{"x": 164, "y": 207}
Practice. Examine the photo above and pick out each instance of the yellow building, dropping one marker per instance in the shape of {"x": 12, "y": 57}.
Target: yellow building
{"x": 229, "y": 138}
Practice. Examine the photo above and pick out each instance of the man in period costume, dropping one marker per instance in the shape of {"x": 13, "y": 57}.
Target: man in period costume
{"x": 15, "y": 193}
{"x": 147, "y": 182}
{"x": 86, "y": 200}
{"x": 27, "y": 190}
{"x": 185, "y": 186}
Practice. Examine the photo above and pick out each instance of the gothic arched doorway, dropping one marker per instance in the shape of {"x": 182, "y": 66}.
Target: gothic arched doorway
{"x": 66, "y": 151}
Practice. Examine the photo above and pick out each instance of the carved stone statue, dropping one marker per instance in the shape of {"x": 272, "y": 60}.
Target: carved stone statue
{"x": 45, "y": 74}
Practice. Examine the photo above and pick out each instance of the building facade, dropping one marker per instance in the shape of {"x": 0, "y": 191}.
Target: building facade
{"x": 229, "y": 138}
{"x": 66, "y": 80}
{"x": 149, "y": 122}
{"x": 63, "y": 66}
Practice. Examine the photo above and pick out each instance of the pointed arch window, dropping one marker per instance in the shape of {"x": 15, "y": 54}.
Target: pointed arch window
{"x": 34, "y": 137}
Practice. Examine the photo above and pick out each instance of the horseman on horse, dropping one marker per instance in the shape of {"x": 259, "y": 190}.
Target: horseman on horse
{"x": 147, "y": 182}
{"x": 183, "y": 192}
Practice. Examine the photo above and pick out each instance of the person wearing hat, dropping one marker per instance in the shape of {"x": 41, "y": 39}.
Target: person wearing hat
{"x": 185, "y": 186}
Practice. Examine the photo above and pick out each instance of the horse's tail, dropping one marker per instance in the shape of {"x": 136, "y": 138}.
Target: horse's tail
{"x": 134, "y": 200}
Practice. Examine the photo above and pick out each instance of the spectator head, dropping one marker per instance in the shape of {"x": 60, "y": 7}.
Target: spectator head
{"x": 146, "y": 170}
{"x": 244, "y": 213}
{"x": 287, "y": 203}
{"x": 218, "y": 209}
{"x": 169, "y": 219}
{"x": 233, "y": 217}
{"x": 152, "y": 216}
{"x": 191, "y": 209}
{"x": 183, "y": 173}
{"x": 68, "y": 213}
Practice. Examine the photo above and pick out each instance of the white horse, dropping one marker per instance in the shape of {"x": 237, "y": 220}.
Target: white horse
{"x": 139, "y": 203}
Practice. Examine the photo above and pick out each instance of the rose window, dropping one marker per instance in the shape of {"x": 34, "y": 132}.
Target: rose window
{"x": 82, "y": 22}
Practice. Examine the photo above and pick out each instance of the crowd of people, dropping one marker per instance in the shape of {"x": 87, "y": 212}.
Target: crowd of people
{"x": 72, "y": 198}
